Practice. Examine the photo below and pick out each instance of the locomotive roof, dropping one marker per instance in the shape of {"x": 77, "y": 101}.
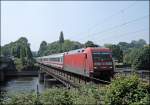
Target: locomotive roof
{"x": 75, "y": 51}
{"x": 82, "y": 50}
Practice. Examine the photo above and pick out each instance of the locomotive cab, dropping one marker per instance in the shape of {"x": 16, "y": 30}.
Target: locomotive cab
{"x": 101, "y": 63}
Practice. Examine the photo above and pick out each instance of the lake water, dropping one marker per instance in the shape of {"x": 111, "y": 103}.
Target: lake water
{"x": 24, "y": 84}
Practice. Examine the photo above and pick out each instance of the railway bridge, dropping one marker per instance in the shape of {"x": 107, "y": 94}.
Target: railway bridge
{"x": 68, "y": 79}
{"x": 77, "y": 67}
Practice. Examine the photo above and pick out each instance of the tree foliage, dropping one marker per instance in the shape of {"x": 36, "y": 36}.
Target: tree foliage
{"x": 142, "y": 59}
{"x": 90, "y": 44}
{"x": 61, "y": 37}
{"x": 134, "y": 44}
{"x": 138, "y": 58}
{"x": 19, "y": 49}
{"x": 129, "y": 53}
{"x": 62, "y": 46}
{"x": 130, "y": 56}
{"x": 43, "y": 47}
{"x": 56, "y": 47}
{"x": 117, "y": 53}
{"x": 127, "y": 91}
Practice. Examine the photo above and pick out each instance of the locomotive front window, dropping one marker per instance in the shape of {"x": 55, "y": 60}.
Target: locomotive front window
{"x": 98, "y": 56}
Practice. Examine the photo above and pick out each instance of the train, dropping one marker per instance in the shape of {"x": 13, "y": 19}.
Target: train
{"x": 88, "y": 62}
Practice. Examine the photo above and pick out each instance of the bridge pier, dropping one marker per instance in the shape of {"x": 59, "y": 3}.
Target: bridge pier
{"x": 2, "y": 76}
{"x": 41, "y": 76}
{"x": 48, "y": 80}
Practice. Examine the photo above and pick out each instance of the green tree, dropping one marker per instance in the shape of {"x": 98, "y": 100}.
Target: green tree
{"x": 124, "y": 46}
{"x": 117, "y": 53}
{"x": 90, "y": 44}
{"x": 61, "y": 37}
{"x": 130, "y": 56}
{"x": 127, "y": 91}
{"x": 138, "y": 44}
{"x": 56, "y": 47}
{"x": 142, "y": 60}
{"x": 43, "y": 47}
{"x": 20, "y": 49}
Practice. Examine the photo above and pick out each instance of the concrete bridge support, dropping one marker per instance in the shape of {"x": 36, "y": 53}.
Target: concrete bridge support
{"x": 2, "y": 76}
{"x": 41, "y": 75}
{"x": 49, "y": 81}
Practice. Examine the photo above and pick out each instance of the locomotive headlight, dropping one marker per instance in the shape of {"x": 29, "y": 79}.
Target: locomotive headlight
{"x": 95, "y": 67}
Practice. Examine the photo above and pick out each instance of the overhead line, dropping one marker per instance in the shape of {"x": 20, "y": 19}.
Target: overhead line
{"x": 110, "y": 17}
{"x": 118, "y": 26}
{"x": 120, "y": 35}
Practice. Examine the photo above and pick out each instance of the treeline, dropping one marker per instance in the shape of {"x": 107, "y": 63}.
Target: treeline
{"x": 19, "y": 51}
{"x": 135, "y": 54}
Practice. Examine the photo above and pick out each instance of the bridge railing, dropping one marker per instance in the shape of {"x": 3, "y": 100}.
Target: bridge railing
{"x": 143, "y": 74}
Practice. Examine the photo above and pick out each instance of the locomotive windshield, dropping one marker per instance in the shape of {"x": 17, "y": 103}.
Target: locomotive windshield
{"x": 100, "y": 56}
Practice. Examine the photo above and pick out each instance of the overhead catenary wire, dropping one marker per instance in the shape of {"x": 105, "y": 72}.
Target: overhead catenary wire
{"x": 132, "y": 32}
{"x": 111, "y": 16}
{"x": 95, "y": 36}
{"x": 124, "y": 34}
{"x": 108, "y": 18}
{"x": 117, "y": 26}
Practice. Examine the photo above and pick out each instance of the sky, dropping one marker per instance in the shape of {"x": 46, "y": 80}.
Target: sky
{"x": 98, "y": 21}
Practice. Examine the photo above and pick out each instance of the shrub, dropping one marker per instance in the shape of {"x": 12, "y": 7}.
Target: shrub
{"x": 56, "y": 96}
{"x": 127, "y": 91}
{"x": 22, "y": 99}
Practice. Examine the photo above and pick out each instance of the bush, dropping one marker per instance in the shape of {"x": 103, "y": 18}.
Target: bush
{"x": 127, "y": 91}
{"x": 86, "y": 95}
{"x": 56, "y": 96}
{"x": 22, "y": 99}
{"x": 62, "y": 96}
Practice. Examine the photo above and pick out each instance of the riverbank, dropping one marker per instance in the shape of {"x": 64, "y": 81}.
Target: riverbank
{"x": 4, "y": 74}
{"x": 13, "y": 66}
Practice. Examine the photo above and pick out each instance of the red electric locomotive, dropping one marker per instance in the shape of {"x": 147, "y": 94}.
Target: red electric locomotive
{"x": 90, "y": 62}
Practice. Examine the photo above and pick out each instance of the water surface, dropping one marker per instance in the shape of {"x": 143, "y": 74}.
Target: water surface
{"x": 22, "y": 84}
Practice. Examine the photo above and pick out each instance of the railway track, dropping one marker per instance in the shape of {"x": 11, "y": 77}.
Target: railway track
{"x": 70, "y": 79}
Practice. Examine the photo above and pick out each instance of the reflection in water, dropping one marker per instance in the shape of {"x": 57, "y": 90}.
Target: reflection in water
{"x": 22, "y": 84}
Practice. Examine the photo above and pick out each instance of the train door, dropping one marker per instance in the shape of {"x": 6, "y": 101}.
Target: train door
{"x": 85, "y": 65}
